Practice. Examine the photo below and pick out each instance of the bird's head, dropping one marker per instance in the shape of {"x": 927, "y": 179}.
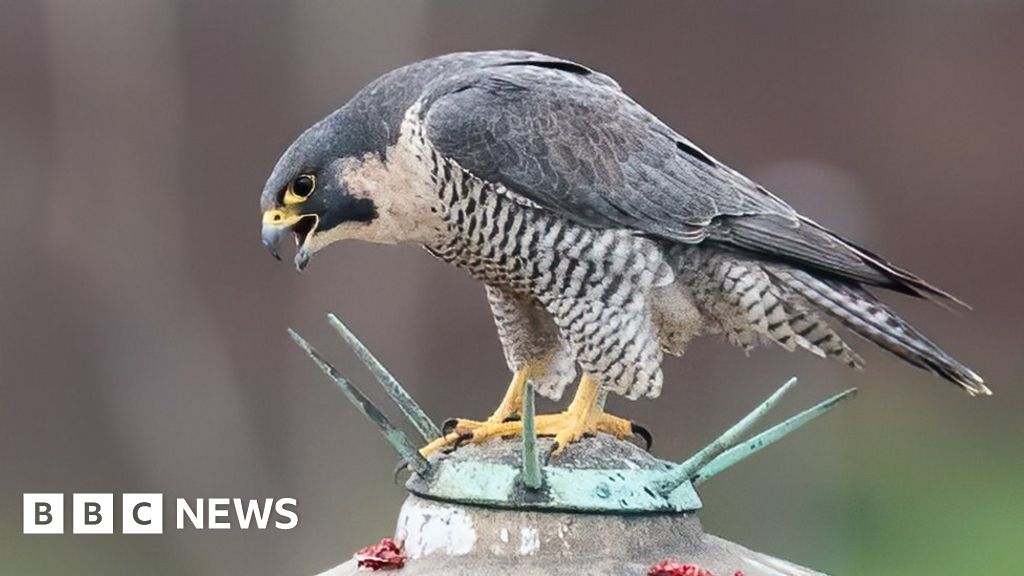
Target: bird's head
{"x": 309, "y": 195}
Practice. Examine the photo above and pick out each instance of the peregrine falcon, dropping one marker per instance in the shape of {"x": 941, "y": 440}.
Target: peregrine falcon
{"x": 603, "y": 237}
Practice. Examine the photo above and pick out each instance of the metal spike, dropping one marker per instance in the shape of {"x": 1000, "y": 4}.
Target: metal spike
{"x": 394, "y": 436}
{"x": 744, "y": 450}
{"x": 417, "y": 417}
{"x": 532, "y": 476}
{"x": 680, "y": 473}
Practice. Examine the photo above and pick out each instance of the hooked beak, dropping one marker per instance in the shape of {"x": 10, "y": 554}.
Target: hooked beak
{"x": 278, "y": 222}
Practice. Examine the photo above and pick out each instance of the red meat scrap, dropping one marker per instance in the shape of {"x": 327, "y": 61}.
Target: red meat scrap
{"x": 384, "y": 555}
{"x": 677, "y": 569}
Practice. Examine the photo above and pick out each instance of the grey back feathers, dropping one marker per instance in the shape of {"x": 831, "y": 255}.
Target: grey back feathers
{"x": 572, "y": 141}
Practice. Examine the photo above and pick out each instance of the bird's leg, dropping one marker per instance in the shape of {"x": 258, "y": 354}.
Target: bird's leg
{"x": 507, "y": 410}
{"x": 512, "y": 403}
{"x": 459, "y": 430}
{"x": 586, "y": 416}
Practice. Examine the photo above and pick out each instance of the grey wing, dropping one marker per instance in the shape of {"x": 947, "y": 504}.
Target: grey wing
{"x": 571, "y": 141}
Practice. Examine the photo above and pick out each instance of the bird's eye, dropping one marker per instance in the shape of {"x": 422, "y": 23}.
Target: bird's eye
{"x": 303, "y": 185}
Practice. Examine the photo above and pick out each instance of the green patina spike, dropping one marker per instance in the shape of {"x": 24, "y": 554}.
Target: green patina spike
{"x": 532, "y": 476}
{"x": 683, "y": 472}
{"x": 393, "y": 435}
{"x": 744, "y": 450}
{"x": 412, "y": 411}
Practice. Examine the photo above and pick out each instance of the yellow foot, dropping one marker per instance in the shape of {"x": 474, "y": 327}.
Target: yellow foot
{"x": 585, "y": 417}
{"x": 570, "y": 426}
{"x": 457, "y": 432}
{"x": 567, "y": 427}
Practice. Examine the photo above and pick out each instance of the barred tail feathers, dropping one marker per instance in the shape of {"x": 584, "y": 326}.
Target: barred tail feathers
{"x": 869, "y": 318}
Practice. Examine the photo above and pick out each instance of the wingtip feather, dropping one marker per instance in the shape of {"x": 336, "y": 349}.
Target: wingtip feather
{"x": 973, "y": 384}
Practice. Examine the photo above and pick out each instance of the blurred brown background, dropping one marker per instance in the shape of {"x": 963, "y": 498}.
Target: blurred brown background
{"x": 142, "y": 326}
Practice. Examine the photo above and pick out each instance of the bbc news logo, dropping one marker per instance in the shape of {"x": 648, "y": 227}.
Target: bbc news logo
{"x": 144, "y": 513}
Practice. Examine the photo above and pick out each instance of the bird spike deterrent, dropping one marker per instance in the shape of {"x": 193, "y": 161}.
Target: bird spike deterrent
{"x": 660, "y": 486}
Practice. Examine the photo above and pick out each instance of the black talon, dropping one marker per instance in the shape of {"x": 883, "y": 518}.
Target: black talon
{"x": 401, "y": 467}
{"x": 513, "y": 418}
{"x": 449, "y": 426}
{"x": 550, "y": 453}
{"x": 461, "y": 439}
{"x": 644, "y": 433}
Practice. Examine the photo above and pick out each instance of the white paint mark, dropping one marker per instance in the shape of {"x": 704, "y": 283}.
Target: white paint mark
{"x": 529, "y": 541}
{"x": 563, "y": 530}
{"x": 428, "y": 529}
{"x": 503, "y": 535}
